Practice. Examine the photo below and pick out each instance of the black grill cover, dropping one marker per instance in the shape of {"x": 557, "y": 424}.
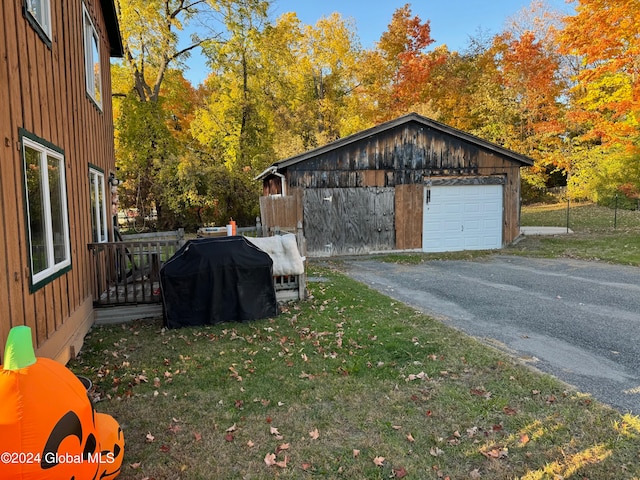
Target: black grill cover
{"x": 214, "y": 280}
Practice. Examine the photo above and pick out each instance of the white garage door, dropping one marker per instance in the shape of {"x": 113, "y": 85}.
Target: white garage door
{"x": 462, "y": 217}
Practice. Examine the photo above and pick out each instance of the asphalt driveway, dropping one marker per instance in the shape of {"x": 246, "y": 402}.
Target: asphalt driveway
{"x": 579, "y": 321}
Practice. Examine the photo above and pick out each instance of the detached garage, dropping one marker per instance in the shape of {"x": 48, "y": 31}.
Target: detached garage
{"x": 408, "y": 184}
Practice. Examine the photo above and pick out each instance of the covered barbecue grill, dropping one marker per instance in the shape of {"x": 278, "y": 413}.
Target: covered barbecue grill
{"x": 215, "y": 280}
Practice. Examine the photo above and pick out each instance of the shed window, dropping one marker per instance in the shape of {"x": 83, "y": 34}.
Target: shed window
{"x": 39, "y": 14}
{"x": 99, "y": 225}
{"x": 47, "y": 212}
{"x": 92, "y": 59}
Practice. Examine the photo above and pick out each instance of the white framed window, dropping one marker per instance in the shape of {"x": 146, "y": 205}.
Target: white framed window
{"x": 92, "y": 59}
{"x": 46, "y": 209}
{"x": 99, "y": 225}
{"x": 39, "y": 11}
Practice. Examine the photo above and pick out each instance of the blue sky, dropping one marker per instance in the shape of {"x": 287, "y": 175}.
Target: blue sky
{"x": 452, "y": 21}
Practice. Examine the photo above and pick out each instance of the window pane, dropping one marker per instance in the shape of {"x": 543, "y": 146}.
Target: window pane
{"x": 39, "y": 10}
{"x": 94, "y": 206}
{"x": 97, "y": 84}
{"x": 58, "y": 225}
{"x": 102, "y": 210}
{"x": 37, "y": 225}
{"x": 98, "y": 207}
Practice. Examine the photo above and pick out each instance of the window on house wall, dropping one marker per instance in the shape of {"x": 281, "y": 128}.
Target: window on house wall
{"x": 99, "y": 225}
{"x": 92, "y": 59}
{"x": 46, "y": 209}
{"x": 39, "y": 14}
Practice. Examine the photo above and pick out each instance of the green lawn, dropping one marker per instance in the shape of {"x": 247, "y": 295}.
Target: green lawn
{"x": 348, "y": 384}
{"x": 582, "y": 217}
{"x": 595, "y": 237}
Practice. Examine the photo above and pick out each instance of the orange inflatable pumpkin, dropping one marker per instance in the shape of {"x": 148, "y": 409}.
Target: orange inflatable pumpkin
{"x": 47, "y": 422}
{"x": 112, "y": 442}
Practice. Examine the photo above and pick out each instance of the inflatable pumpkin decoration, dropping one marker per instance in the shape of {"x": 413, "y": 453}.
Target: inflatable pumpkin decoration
{"x": 48, "y": 427}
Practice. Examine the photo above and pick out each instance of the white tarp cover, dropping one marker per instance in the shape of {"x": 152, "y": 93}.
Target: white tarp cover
{"x": 283, "y": 250}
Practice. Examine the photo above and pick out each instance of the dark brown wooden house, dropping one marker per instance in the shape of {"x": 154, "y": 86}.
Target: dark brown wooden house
{"x": 56, "y": 136}
{"x": 408, "y": 184}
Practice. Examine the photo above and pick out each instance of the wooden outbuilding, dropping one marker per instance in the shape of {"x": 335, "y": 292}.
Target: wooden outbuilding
{"x": 56, "y": 136}
{"x": 408, "y": 184}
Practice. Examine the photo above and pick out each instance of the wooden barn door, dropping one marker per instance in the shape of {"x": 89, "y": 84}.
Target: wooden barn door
{"x": 344, "y": 221}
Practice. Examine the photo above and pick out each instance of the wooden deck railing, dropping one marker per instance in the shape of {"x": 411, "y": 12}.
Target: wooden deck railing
{"x": 128, "y": 272}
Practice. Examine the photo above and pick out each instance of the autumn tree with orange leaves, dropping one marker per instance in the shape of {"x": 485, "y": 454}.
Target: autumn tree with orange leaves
{"x": 562, "y": 89}
{"x": 605, "y": 99}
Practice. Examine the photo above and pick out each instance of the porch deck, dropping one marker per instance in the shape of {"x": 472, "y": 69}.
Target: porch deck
{"x": 127, "y": 274}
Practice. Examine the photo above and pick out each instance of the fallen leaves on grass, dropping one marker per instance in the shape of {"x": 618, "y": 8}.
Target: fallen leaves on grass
{"x": 314, "y": 434}
{"x": 400, "y": 472}
{"x": 418, "y": 376}
{"x": 509, "y": 411}
{"x": 270, "y": 460}
{"x": 480, "y": 392}
{"x": 274, "y": 431}
{"x": 497, "y": 452}
{"x": 234, "y": 374}
{"x": 379, "y": 461}
{"x": 436, "y": 452}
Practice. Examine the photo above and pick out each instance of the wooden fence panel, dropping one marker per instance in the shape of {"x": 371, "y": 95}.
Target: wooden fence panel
{"x": 281, "y": 211}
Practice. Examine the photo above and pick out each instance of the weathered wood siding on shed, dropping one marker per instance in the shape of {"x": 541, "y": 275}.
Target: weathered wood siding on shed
{"x": 346, "y": 221}
{"x": 42, "y": 90}
{"x": 405, "y": 157}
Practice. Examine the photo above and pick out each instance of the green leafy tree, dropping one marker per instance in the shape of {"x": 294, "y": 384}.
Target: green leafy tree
{"x": 151, "y": 121}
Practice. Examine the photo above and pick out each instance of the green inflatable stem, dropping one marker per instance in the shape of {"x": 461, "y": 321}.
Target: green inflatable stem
{"x": 18, "y": 352}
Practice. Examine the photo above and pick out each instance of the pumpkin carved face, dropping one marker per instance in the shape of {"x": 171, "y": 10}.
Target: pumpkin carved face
{"x": 47, "y": 422}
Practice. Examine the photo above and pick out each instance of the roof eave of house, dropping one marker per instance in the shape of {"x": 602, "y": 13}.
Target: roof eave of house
{"x": 524, "y": 160}
{"x": 113, "y": 28}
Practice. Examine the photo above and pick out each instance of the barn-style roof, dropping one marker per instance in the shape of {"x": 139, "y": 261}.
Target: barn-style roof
{"x": 411, "y": 117}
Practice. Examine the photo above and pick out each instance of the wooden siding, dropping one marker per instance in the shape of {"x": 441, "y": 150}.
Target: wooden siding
{"x": 493, "y": 164}
{"x": 402, "y": 155}
{"x": 409, "y": 208}
{"x": 42, "y": 90}
{"x": 281, "y": 212}
{"x": 405, "y": 158}
{"x": 345, "y": 221}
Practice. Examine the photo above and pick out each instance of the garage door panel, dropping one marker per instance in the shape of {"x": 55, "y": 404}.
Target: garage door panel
{"x": 462, "y": 217}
